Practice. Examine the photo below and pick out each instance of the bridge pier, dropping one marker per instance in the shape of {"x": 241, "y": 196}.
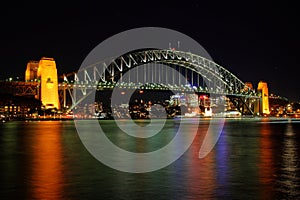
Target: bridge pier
{"x": 264, "y": 98}
{"x": 44, "y": 73}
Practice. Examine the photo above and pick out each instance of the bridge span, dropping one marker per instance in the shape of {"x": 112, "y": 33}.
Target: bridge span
{"x": 148, "y": 69}
{"x": 145, "y": 69}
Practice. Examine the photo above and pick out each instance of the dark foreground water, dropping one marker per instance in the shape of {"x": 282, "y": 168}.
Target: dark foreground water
{"x": 253, "y": 159}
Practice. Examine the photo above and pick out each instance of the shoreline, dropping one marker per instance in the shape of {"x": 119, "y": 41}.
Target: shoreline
{"x": 175, "y": 118}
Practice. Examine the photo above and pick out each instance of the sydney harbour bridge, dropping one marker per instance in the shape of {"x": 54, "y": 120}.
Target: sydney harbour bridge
{"x": 148, "y": 69}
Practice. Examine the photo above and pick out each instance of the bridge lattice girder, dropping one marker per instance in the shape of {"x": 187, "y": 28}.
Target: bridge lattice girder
{"x": 20, "y": 88}
{"x": 220, "y": 80}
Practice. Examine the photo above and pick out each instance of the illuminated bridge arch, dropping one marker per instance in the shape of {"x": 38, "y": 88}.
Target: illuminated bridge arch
{"x": 215, "y": 75}
{"x": 203, "y": 74}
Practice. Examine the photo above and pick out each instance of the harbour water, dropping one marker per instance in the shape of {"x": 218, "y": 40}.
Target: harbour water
{"x": 253, "y": 159}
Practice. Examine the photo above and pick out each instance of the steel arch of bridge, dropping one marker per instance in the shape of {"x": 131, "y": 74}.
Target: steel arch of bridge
{"x": 103, "y": 74}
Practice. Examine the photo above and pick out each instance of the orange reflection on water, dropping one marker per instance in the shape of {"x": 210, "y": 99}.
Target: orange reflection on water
{"x": 266, "y": 162}
{"x": 201, "y": 172}
{"x": 47, "y": 169}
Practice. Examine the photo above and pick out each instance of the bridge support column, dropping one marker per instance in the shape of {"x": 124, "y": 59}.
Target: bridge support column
{"x": 65, "y": 96}
{"x": 242, "y": 104}
{"x": 47, "y": 73}
{"x": 264, "y": 101}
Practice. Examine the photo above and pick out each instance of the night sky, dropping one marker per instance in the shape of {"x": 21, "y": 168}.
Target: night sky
{"x": 255, "y": 41}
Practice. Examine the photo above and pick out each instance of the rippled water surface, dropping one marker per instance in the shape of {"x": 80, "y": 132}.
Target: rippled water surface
{"x": 253, "y": 159}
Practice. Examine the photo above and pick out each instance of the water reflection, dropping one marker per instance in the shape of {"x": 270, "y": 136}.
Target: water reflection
{"x": 266, "y": 161}
{"x": 288, "y": 181}
{"x": 201, "y": 176}
{"x": 46, "y": 177}
{"x": 243, "y": 143}
{"x": 252, "y": 160}
{"x": 9, "y": 167}
{"x": 223, "y": 169}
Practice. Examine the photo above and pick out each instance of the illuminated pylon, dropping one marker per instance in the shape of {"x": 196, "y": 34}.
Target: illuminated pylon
{"x": 264, "y": 104}
{"x": 31, "y": 71}
{"x": 31, "y": 74}
{"x": 47, "y": 74}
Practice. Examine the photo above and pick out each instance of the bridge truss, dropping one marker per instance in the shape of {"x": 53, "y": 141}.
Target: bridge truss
{"x": 20, "y": 88}
{"x": 195, "y": 74}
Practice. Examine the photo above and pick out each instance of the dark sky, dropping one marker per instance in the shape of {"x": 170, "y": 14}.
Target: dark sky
{"x": 255, "y": 41}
